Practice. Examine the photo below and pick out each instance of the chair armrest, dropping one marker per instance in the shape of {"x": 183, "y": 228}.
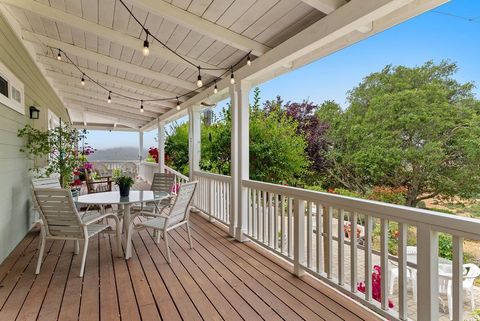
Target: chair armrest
{"x": 98, "y": 218}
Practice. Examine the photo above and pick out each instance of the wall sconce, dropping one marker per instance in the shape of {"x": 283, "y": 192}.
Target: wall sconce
{"x": 34, "y": 113}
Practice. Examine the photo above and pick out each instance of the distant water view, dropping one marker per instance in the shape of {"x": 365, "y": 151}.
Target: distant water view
{"x": 116, "y": 153}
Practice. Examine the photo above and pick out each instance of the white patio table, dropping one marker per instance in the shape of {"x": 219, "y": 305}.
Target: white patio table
{"x": 123, "y": 203}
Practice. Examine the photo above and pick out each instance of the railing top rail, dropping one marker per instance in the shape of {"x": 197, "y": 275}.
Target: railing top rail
{"x": 171, "y": 170}
{"x": 219, "y": 177}
{"x": 455, "y": 225}
{"x": 114, "y": 161}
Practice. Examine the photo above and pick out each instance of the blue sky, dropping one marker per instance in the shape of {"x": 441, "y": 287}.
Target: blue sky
{"x": 431, "y": 36}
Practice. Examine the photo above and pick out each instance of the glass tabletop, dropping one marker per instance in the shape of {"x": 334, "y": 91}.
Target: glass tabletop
{"x": 115, "y": 198}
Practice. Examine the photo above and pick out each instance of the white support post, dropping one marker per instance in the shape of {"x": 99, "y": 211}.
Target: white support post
{"x": 234, "y": 157}
{"x": 299, "y": 237}
{"x": 242, "y": 103}
{"x": 427, "y": 277}
{"x": 194, "y": 140}
{"x": 140, "y": 146}
{"x": 161, "y": 146}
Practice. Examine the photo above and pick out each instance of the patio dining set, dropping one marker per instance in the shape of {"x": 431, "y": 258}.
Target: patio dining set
{"x": 66, "y": 217}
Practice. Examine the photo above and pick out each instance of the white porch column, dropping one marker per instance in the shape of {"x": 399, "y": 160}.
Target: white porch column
{"x": 234, "y": 160}
{"x": 161, "y": 146}
{"x": 140, "y": 146}
{"x": 194, "y": 140}
{"x": 243, "y": 112}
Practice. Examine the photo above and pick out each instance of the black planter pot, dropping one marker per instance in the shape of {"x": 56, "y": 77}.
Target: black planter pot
{"x": 124, "y": 190}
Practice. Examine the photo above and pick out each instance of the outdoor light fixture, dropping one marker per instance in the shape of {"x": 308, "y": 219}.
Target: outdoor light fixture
{"x": 146, "y": 49}
{"x": 232, "y": 78}
{"x": 109, "y": 100}
{"x": 83, "y": 80}
{"x": 249, "y": 62}
{"x": 141, "y": 106}
{"x": 178, "y": 104}
{"x": 34, "y": 112}
{"x": 59, "y": 55}
{"x": 215, "y": 89}
{"x": 199, "y": 79}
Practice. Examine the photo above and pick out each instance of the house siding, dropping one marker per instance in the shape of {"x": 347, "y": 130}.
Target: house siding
{"x": 16, "y": 216}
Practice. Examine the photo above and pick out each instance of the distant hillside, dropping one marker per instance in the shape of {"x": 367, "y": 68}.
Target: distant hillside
{"x": 117, "y": 153}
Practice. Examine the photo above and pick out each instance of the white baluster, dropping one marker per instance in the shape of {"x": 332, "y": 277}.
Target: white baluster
{"x": 457, "y": 279}
{"x": 353, "y": 252}
{"x": 341, "y": 247}
{"x": 299, "y": 235}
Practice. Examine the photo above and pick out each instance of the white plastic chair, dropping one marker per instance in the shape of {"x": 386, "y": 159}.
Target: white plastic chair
{"x": 161, "y": 182}
{"x": 178, "y": 215}
{"x": 61, "y": 221}
{"x": 411, "y": 274}
{"x": 471, "y": 272}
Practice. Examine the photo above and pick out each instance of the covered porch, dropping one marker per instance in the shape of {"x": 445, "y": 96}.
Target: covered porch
{"x": 261, "y": 250}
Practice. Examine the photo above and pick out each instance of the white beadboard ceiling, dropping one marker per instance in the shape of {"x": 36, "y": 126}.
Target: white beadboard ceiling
{"x": 106, "y": 43}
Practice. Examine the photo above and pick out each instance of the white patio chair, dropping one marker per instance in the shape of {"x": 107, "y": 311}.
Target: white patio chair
{"x": 161, "y": 182}
{"x": 178, "y": 215}
{"x": 411, "y": 274}
{"x": 61, "y": 221}
{"x": 471, "y": 272}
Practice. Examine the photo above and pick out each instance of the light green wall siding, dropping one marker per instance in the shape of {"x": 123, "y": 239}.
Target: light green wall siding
{"x": 15, "y": 201}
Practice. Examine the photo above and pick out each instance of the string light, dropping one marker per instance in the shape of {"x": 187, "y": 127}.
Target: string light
{"x": 83, "y": 80}
{"x": 249, "y": 61}
{"x": 178, "y": 104}
{"x": 199, "y": 78}
{"x": 215, "y": 89}
{"x": 141, "y": 106}
{"x": 59, "y": 56}
{"x": 146, "y": 45}
{"x": 109, "y": 100}
{"x": 232, "y": 78}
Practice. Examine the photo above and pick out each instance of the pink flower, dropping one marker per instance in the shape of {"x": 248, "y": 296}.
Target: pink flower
{"x": 376, "y": 286}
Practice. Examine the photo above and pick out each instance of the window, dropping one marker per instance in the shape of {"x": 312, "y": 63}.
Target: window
{"x": 11, "y": 90}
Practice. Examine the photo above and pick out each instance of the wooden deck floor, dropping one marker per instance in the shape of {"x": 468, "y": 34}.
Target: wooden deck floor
{"x": 220, "y": 279}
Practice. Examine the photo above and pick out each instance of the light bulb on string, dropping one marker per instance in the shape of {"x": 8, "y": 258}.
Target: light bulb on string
{"x": 178, "y": 104}
{"x": 83, "y": 80}
{"x": 59, "y": 55}
{"x": 249, "y": 61}
{"x": 215, "y": 89}
{"x": 146, "y": 45}
{"x": 141, "y": 106}
{"x": 232, "y": 78}
{"x": 109, "y": 99}
{"x": 199, "y": 78}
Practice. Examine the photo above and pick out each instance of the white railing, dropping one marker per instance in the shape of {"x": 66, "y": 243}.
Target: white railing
{"x": 146, "y": 171}
{"x": 213, "y": 195}
{"x": 179, "y": 177}
{"x": 106, "y": 167}
{"x": 307, "y": 228}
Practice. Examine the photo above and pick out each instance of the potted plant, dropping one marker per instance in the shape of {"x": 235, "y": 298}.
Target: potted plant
{"x": 52, "y": 151}
{"x": 124, "y": 183}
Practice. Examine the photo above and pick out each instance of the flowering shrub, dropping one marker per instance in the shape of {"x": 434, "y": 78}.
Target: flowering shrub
{"x": 153, "y": 152}
{"x": 376, "y": 286}
{"x": 388, "y": 194}
{"x": 175, "y": 188}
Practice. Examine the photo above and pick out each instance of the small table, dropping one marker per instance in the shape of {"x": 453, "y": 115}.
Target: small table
{"x": 124, "y": 203}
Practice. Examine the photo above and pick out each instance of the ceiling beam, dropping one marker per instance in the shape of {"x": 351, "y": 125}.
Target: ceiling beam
{"x": 107, "y": 60}
{"x": 66, "y": 81}
{"x": 309, "y": 44}
{"x": 99, "y": 113}
{"x": 103, "y": 77}
{"x": 100, "y": 100}
{"x": 118, "y": 117}
{"x": 96, "y": 126}
{"x": 112, "y": 109}
{"x": 118, "y": 37}
{"x": 325, "y": 6}
{"x": 200, "y": 25}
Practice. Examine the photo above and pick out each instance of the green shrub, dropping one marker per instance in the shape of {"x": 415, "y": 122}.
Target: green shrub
{"x": 388, "y": 194}
{"x": 445, "y": 246}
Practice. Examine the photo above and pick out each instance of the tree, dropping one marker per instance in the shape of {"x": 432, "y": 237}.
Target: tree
{"x": 412, "y": 127}
{"x": 277, "y": 152}
{"x": 310, "y": 127}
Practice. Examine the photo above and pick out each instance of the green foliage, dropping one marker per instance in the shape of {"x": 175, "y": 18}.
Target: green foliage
{"x": 277, "y": 152}
{"x": 445, "y": 246}
{"x": 57, "y": 146}
{"x": 124, "y": 180}
{"x": 388, "y": 195}
{"x": 412, "y": 127}
{"x": 476, "y": 314}
{"x": 116, "y": 172}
